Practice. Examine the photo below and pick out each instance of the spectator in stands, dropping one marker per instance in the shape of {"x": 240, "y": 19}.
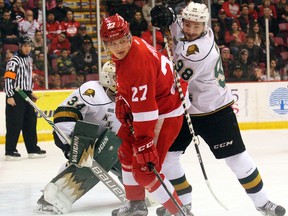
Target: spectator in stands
{"x": 79, "y": 80}
{"x": 38, "y": 42}
{"x": 82, "y": 33}
{"x": 282, "y": 12}
{"x": 127, "y": 10}
{"x": 267, "y": 4}
{"x": 225, "y": 22}
{"x": 86, "y": 59}
{"x": 58, "y": 43}
{"x": 146, "y": 11}
{"x": 234, "y": 38}
{"x": 64, "y": 63}
{"x": 38, "y": 81}
{"x": 53, "y": 27}
{"x": 252, "y": 12}
{"x": 3, "y": 8}
{"x": 260, "y": 40}
{"x": 50, "y": 4}
{"x": 17, "y": 10}
{"x": 258, "y": 75}
{"x": 231, "y": 9}
{"x": 227, "y": 63}
{"x": 8, "y": 29}
{"x": 272, "y": 22}
{"x": 28, "y": 26}
{"x": 245, "y": 20}
{"x": 238, "y": 75}
{"x": 215, "y": 9}
{"x": 218, "y": 35}
{"x": 39, "y": 65}
{"x": 37, "y": 11}
{"x": 70, "y": 26}
{"x": 138, "y": 24}
{"x": 274, "y": 73}
{"x": 148, "y": 37}
{"x": 55, "y": 82}
{"x": 60, "y": 11}
{"x": 247, "y": 67}
{"x": 255, "y": 53}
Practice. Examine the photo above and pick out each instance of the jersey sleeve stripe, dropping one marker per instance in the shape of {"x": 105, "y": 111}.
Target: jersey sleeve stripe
{"x": 145, "y": 116}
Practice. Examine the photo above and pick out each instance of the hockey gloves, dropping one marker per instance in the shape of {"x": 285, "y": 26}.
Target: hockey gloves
{"x": 123, "y": 112}
{"x": 162, "y": 16}
{"x": 145, "y": 152}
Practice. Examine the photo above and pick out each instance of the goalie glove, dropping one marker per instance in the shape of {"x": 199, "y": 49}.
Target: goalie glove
{"x": 145, "y": 152}
{"x": 162, "y": 16}
{"x": 123, "y": 112}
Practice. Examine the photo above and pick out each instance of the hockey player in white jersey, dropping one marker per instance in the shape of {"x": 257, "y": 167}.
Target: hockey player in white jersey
{"x": 93, "y": 102}
{"x": 197, "y": 60}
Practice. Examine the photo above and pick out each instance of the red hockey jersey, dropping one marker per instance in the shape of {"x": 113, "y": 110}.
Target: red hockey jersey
{"x": 145, "y": 80}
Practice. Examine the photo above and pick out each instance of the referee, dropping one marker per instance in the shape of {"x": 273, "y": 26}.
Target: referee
{"x": 20, "y": 115}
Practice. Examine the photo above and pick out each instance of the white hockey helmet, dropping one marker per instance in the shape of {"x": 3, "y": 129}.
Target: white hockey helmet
{"x": 107, "y": 76}
{"x": 196, "y": 12}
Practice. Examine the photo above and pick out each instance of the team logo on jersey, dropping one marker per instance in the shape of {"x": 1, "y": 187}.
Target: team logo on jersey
{"x": 89, "y": 92}
{"x": 192, "y": 49}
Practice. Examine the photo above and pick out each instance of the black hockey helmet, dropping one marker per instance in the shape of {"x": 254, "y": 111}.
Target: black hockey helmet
{"x": 25, "y": 40}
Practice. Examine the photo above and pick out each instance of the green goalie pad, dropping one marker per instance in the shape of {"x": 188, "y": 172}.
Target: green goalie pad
{"x": 75, "y": 180}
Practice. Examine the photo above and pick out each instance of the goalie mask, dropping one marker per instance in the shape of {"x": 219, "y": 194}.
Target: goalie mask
{"x": 107, "y": 76}
{"x": 196, "y": 12}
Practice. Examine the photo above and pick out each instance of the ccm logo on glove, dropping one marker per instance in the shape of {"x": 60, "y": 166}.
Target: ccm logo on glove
{"x": 146, "y": 146}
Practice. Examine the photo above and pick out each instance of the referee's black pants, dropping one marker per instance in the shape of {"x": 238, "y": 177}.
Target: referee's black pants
{"x": 21, "y": 117}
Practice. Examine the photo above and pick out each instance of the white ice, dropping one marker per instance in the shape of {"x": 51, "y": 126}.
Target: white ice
{"x": 21, "y": 181}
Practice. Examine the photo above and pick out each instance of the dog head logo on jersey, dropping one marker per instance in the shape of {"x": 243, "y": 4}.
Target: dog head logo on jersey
{"x": 192, "y": 49}
{"x": 89, "y": 92}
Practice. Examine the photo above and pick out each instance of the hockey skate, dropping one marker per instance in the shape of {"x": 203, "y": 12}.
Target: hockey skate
{"x": 272, "y": 209}
{"x": 132, "y": 208}
{"x": 45, "y": 207}
{"x": 164, "y": 212}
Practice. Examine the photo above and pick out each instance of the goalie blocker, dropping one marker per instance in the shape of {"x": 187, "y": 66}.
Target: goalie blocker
{"x": 78, "y": 178}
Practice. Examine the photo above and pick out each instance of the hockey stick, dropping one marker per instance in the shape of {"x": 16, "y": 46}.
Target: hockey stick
{"x": 97, "y": 170}
{"x": 151, "y": 167}
{"x": 195, "y": 138}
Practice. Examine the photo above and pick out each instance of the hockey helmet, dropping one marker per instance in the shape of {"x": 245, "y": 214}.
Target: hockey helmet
{"x": 107, "y": 76}
{"x": 196, "y": 12}
{"x": 25, "y": 40}
{"x": 114, "y": 28}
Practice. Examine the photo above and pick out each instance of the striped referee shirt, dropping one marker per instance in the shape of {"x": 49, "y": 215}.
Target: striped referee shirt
{"x": 18, "y": 73}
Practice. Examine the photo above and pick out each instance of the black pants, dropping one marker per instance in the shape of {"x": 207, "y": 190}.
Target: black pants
{"x": 21, "y": 117}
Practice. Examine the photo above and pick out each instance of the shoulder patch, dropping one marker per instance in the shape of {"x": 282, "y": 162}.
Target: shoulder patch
{"x": 89, "y": 92}
{"x": 192, "y": 49}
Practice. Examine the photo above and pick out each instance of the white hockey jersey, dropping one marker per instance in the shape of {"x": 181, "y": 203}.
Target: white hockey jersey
{"x": 89, "y": 103}
{"x": 199, "y": 62}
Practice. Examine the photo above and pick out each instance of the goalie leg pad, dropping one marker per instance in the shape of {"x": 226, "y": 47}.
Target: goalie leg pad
{"x": 83, "y": 143}
{"x": 54, "y": 196}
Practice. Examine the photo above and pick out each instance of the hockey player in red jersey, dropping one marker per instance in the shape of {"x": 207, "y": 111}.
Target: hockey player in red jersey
{"x": 149, "y": 108}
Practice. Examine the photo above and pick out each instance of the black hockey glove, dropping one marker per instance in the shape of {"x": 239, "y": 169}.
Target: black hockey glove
{"x": 162, "y": 16}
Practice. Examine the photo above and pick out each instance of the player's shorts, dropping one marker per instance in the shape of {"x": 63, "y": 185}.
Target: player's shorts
{"x": 219, "y": 130}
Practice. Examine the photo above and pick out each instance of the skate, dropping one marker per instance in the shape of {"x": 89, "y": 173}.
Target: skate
{"x": 14, "y": 156}
{"x": 39, "y": 154}
{"x": 45, "y": 207}
{"x": 164, "y": 212}
{"x": 132, "y": 208}
{"x": 271, "y": 209}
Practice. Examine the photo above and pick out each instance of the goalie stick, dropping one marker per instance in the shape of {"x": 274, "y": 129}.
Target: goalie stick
{"x": 97, "y": 170}
{"x": 195, "y": 138}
